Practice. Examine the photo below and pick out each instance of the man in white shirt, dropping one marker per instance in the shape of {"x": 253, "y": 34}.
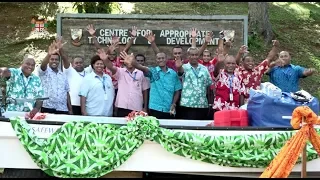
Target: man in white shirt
{"x": 75, "y": 74}
{"x": 54, "y": 82}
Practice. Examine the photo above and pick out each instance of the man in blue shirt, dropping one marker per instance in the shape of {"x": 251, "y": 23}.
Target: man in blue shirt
{"x": 286, "y": 75}
{"x": 165, "y": 85}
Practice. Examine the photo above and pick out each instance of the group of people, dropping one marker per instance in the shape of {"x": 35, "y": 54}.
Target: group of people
{"x": 117, "y": 83}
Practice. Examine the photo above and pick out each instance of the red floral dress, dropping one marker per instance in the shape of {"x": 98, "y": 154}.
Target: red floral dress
{"x": 252, "y": 79}
{"x": 210, "y": 66}
{"x": 226, "y": 83}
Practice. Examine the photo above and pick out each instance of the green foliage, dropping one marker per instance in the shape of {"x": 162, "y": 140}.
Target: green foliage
{"x": 96, "y": 7}
{"x": 255, "y": 42}
{"x": 48, "y": 9}
{"x": 52, "y": 25}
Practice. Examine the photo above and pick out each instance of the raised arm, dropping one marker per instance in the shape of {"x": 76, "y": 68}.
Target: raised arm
{"x": 193, "y": 37}
{"x": 130, "y": 59}
{"x": 51, "y": 50}
{"x": 92, "y": 32}
{"x": 104, "y": 57}
{"x": 63, "y": 54}
{"x": 227, "y": 47}
{"x": 207, "y": 40}
{"x": 274, "y": 51}
{"x": 133, "y": 33}
{"x": 151, "y": 38}
{"x": 243, "y": 49}
{"x": 219, "y": 65}
{"x": 226, "y": 44}
{"x": 220, "y": 45}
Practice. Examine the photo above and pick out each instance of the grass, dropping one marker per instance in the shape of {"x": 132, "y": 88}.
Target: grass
{"x": 296, "y": 26}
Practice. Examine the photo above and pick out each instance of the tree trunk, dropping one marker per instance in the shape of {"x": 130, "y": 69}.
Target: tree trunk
{"x": 259, "y": 20}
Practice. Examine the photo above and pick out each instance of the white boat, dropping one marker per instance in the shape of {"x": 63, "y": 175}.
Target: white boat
{"x": 150, "y": 157}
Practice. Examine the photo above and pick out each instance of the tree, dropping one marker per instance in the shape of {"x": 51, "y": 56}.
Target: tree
{"x": 259, "y": 20}
{"x": 96, "y": 7}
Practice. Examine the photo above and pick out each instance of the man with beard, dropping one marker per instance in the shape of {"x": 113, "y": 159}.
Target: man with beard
{"x": 75, "y": 74}
{"x": 22, "y": 83}
{"x": 55, "y": 83}
{"x": 196, "y": 80}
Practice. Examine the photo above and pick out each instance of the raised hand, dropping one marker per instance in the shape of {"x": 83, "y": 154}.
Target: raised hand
{"x": 91, "y": 29}
{"x": 115, "y": 40}
{"x": 133, "y": 32}
{"x": 102, "y": 54}
{"x": 209, "y": 37}
{"x": 220, "y": 50}
{"x": 243, "y": 49}
{"x": 228, "y": 43}
{"x": 113, "y": 47}
{"x": 150, "y": 37}
{"x": 221, "y": 57}
{"x": 193, "y": 32}
{"x": 275, "y": 43}
{"x": 58, "y": 43}
{"x": 52, "y": 49}
{"x": 128, "y": 59}
{"x": 178, "y": 62}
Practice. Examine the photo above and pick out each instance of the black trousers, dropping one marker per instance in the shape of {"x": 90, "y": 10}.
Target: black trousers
{"x": 160, "y": 115}
{"x": 179, "y": 109}
{"x": 195, "y": 113}
{"x": 53, "y": 111}
{"x": 76, "y": 110}
{"x": 123, "y": 112}
{"x": 210, "y": 114}
{"x": 115, "y": 109}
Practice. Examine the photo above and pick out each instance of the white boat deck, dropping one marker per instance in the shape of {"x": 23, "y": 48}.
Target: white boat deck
{"x": 150, "y": 157}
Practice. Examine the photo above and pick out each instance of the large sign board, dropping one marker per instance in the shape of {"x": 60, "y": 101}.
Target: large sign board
{"x": 169, "y": 31}
{"x": 162, "y": 37}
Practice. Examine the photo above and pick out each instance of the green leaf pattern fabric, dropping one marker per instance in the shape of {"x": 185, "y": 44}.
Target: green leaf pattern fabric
{"x": 86, "y": 150}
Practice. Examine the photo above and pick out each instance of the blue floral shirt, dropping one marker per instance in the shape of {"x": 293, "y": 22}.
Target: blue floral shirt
{"x": 19, "y": 86}
{"x": 195, "y": 83}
